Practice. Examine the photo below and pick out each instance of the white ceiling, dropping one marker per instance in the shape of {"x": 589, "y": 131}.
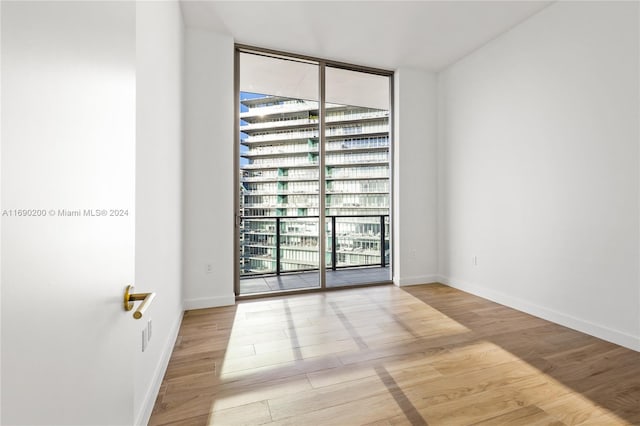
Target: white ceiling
{"x": 385, "y": 34}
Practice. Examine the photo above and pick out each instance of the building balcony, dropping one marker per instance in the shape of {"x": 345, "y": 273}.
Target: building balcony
{"x": 331, "y": 132}
{"x": 301, "y": 178}
{"x": 336, "y": 117}
{"x": 277, "y": 124}
{"x": 300, "y": 149}
{"x": 279, "y": 165}
{"x": 282, "y": 192}
{"x": 288, "y": 151}
{"x": 279, "y": 109}
{"x": 291, "y": 124}
{"x": 289, "y": 136}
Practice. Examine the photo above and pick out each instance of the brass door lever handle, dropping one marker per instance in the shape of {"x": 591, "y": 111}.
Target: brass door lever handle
{"x": 130, "y": 297}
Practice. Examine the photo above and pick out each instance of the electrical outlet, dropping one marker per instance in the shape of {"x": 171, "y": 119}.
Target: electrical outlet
{"x": 149, "y": 327}
{"x": 475, "y": 260}
{"x": 144, "y": 339}
{"x": 209, "y": 268}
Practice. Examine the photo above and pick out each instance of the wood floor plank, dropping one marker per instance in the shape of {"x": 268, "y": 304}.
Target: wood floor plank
{"x": 386, "y": 356}
{"x": 573, "y": 409}
{"x": 525, "y": 416}
{"x": 470, "y": 409}
{"x": 379, "y": 382}
{"x": 250, "y": 414}
{"x": 358, "y": 412}
{"x": 234, "y": 394}
{"x": 344, "y": 374}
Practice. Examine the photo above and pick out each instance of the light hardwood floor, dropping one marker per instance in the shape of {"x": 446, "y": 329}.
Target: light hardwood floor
{"x": 421, "y": 355}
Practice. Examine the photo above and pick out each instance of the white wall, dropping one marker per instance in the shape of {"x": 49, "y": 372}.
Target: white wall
{"x": 539, "y": 177}
{"x": 159, "y": 38}
{"x": 208, "y": 170}
{"x": 68, "y": 142}
{"x": 415, "y": 254}
{"x": 208, "y": 173}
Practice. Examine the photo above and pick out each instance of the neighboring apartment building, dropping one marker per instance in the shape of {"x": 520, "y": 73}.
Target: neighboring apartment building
{"x": 280, "y": 185}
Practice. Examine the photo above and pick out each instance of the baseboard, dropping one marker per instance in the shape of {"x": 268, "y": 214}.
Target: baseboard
{"x": 602, "y": 332}
{"x": 209, "y": 302}
{"x": 150, "y": 397}
{"x": 417, "y": 280}
{"x": 158, "y": 375}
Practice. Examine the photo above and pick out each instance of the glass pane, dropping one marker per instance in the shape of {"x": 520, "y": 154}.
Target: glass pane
{"x": 279, "y": 189}
{"x": 357, "y": 177}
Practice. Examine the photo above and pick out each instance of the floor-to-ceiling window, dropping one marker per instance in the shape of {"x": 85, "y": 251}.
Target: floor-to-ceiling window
{"x": 314, "y": 147}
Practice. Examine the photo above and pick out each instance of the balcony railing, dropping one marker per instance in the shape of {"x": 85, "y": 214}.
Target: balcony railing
{"x": 265, "y": 240}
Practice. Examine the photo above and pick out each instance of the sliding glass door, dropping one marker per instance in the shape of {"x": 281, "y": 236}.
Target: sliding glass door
{"x": 313, "y": 148}
{"x": 357, "y": 189}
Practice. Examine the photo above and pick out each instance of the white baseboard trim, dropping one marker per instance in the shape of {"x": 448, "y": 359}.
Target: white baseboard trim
{"x": 209, "y": 302}
{"x": 441, "y": 279}
{"x": 422, "y": 279}
{"x": 603, "y": 332}
{"x": 158, "y": 375}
